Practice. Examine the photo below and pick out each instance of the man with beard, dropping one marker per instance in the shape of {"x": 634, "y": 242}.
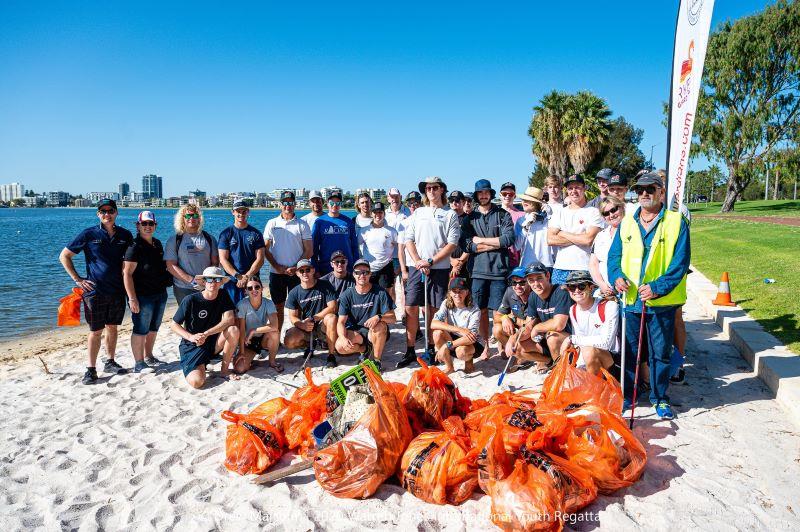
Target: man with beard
{"x": 241, "y": 251}
{"x": 315, "y": 202}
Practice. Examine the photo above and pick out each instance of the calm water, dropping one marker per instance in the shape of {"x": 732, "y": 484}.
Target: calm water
{"x": 32, "y": 278}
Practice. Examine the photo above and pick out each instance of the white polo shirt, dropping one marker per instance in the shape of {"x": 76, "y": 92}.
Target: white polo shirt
{"x": 286, "y": 237}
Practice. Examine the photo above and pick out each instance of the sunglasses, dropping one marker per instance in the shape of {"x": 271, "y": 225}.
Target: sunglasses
{"x": 304, "y": 270}
{"x": 610, "y": 211}
{"x": 212, "y": 279}
{"x": 339, "y": 261}
{"x": 242, "y": 211}
{"x": 360, "y": 272}
{"x": 508, "y": 194}
{"x": 332, "y": 202}
{"x": 412, "y": 203}
{"x": 518, "y": 283}
{"x": 579, "y": 287}
{"x": 650, "y": 189}
{"x": 458, "y": 290}
{"x": 106, "y": 211}
{"x": 147, "y": 224}
{"x": 287, "y": 203}
{"x": 432, "y": 187}
{"x": 191, "y": 216}
{"x": 253, "y": 288}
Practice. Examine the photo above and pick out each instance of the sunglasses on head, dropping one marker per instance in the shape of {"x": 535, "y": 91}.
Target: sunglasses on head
{"x": 304, "y": 270}
{"x": 147, "y": 224}
{"x": 360, "y": 272}
{"x": 610, "y": 211}
{"x": 580, "y": 287}
{"x": 107, "y": 211}
{"x": 254, "y": 288}
{"x": 212, "y": 279}
{"x": 650, "y": 189}
{"x": 191, "y": 216}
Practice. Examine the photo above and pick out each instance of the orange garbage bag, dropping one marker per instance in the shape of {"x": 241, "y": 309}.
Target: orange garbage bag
{"x": 572, "y": 481}
{"x": 355, "y": 466}
{"x": 431, "y": 397}
{"x": 308, "y": 407}
{"x": 434, "y": 468}
{"x": 526, "y": 500}
{"x": 566, "y": 384}
{"x": 272, "y": 410}
{"x": 601, "y": 444}
{"x": 69, "y": 308}
{"x": 252, "y": 444}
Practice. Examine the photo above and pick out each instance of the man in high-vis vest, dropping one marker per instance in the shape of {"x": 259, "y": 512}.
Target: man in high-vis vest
{"x": 649, "y": 259}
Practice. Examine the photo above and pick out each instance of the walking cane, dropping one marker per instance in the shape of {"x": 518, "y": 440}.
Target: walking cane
{"x": 638, "y": 360}
{"x": 513, "y": 355}
{"x": 308, "y": 352}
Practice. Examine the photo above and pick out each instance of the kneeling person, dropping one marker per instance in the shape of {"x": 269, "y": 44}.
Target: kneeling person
{"x": 510, "y": 317}
{"x": 312, "y": 312}
{"x": 455, "y": 327}
{"x": 365, "y": 312}
{"x": 258, "y": 322}
{"x": 207, "y": 325}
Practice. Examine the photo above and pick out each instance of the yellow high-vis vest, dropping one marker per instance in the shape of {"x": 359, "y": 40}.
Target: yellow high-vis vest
{"x": 658, "y": 260}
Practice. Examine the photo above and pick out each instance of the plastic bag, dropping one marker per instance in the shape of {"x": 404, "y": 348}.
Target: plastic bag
{"x": 252, "y": 444}
{"x": 526, "y": 499}
{"x": 567, "y": 384}
{"x": 370, "y": 453}
{"x": 431, "y": 397}
{"x": 272, "y": 410}
{"x": 434, "y": 468}
{"x": 601, "y": 444}
{"x": 69, "y": 308}
{"x": 575, "y": 485}
{"x": 308, "y": 406}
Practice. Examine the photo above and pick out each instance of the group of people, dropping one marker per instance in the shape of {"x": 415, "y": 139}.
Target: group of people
{"x": 491, "y": 278}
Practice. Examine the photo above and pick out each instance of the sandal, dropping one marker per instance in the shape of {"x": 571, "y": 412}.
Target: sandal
{"x": 230, "y": 377}
{"x": 542, "y": 369}
{"x": 277, "y": 366}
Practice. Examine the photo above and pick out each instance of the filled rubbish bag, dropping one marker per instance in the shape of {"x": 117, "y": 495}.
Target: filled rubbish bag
{"x": 370, "y": 453}
{"x": 526, "y": 499}
{"x": 573, "y": 482}
{"x": 69, "y": 308}
{"x": 434, "y": 468}
{"x": 308, "y": 406}
{"x": 566, "y": 384}
{"x": 431, "y": 397}
{"x": 272, "y": 410}
{"x": 252, "y": 444}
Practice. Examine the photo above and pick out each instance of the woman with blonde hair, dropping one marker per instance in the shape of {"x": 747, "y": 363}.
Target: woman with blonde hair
{"x": 189, "y": 251}
{"x": 612, "y": 209}
{"x": 455, "y": 327}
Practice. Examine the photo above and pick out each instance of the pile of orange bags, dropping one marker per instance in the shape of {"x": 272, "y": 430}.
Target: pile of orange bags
{"x": 431, "y": 397}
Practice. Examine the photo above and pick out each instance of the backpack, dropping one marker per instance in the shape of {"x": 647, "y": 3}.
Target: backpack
{"x": 601, "y": 310}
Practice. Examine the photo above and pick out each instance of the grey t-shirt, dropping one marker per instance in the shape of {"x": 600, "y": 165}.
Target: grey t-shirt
{"x": 254, "y": 318}
{"x": 194, "y": 255}
{"x": 467, "y": 318}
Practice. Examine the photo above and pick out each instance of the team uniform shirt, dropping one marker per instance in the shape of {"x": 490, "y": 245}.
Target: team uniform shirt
{"x": 531, "y": 234}
{"x": 310, "y": 218}
{"x": 194, "y": 255}
{"x": 430, "y": 229}
{"x": 255, "y": 318}
{"x": 466, "y": 317}
{"x": 310, "y": 302}
{"x": 377, "y": 245}
{"x": 360, "y": 307}
{"x": 557, "y": 303}
{"x": 150, "y": 277}
{"x": 512, "y": 304}
{"x": 574, "y": 257}
{"x": 198, "y": 314}
{"x": 331, "y": 234}
{"x": 397, "y": 220}
{"x": 362, "y": 221}
{"x": 287, "y": 237}
{"x": 242, "y": 244}
{"x": 600, "y": 248}
{"x": 339, "y": 285}
{"x": 103, "y": 254}
{"x": 596, "y": 327}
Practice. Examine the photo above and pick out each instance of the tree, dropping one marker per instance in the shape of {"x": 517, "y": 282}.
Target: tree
{"x": 547, "y": 132}
{"x": 750, "y": 97}
{"x": 621, "y": 151}
{"x": 585, "y": 128}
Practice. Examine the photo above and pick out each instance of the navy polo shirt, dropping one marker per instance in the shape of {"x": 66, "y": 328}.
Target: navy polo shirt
{"x": 103, "y": 254}
{"x": 242, "y": 244}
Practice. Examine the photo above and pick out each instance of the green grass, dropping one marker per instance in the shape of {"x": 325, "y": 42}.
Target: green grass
{"x": 749, "y": 252}
{"x": 787, "y": 208}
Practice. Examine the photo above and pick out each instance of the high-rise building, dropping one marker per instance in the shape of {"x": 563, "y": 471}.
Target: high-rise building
{"x": 57, "y": 199}
{"x": 124, "y": 189}
{"x": 11, "y": 191}
{"x": 152, "y": 186}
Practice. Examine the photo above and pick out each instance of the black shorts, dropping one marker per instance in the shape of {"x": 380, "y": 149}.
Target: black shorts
{"x": 193, "y": 355}
{"x": 438, "y": 281}
{"x": 100, "y": 310}
{"x": 279, "y": 286}
{"x": 364, "y": 332}
{"x": 255, "y": 343}
{"x": 479, "y": 347}
{"x": 384, "y": 277}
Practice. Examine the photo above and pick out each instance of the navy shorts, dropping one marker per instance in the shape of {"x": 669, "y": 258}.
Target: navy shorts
{"x": 100, "y": 310}
{"x": 193, "y": 355}
{"x": 151, "y": 311}
{"x": 383, "y": 277}
{"x": 488, "y": 293}
{"x": 279, "y": 286}
{"x": 437, "y": 287}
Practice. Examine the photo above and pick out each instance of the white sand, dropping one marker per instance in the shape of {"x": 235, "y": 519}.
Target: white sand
{"x": 146, "y": 452}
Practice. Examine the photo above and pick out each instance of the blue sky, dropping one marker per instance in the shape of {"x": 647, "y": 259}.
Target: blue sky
{"x": 263, "y": 95}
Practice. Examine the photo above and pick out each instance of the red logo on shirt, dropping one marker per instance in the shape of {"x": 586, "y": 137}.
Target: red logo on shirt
{"x": 580, "y": 221}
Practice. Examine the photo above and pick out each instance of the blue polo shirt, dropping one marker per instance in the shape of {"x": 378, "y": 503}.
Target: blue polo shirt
{"x": 671, "y": 278}
{"x": 242, "y": 244}
{"x": 103, "y": 254}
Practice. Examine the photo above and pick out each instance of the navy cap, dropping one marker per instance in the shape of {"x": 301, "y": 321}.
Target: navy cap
{"x": 536, "y": 268}
{"x": 106, "y": 203}
{"x": 287, "y": 195}
{"x": 617, "y": 180}
{"x": 519, "y": 271}
{"x": 337, "y": 254}
{"x": 578, "y": 277}
{"x": 605, "y": 173}
{"x": 510, "y": 185}
{"x": 414, "y": 195}
{"x": 574, "y": 178}
{"x": 378, "y": 206}
{"x": 468, "y": 196}
{"x": 241, "y": 204}
{"x": 456, "y": 195}
{"x": 304, "y": 262}
{"x": 457, "y": 283}
{"x": 650, "y": 178}
{"x": 335, "y": 194}
{"x": 360, "y": 262}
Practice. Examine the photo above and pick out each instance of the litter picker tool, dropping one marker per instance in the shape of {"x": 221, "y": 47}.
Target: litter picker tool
{"x": 638, "y": 360}
{"x": 431, "y": 359}
{"x": 308, "y": 352}
{"x": 622, "y": 349}
{"x": 513, "y": 355}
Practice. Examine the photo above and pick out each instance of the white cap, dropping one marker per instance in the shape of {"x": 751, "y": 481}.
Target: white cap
{"x": 146, "y": 216}
{"x": 394, "y": 192}
{"x": 315, "y": 194}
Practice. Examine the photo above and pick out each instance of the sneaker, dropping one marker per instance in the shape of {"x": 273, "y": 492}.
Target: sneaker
{"x": 142, "y": 367}
{"x": 90, "y": 377}
{"x": 378, "y": 365}
{"x": 111, "y": 366}
{"x": 430, "y": 356}
{"x": 367, "y": 352}
{"x": 153, "y": 361}
{"x": 664, "y": 410}
{"x": 409, "y": 358}
{"x": 679, "y": 377}
{"x": 331, "y": 363}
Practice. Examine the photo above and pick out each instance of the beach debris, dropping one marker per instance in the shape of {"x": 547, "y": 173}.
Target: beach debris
{"x": 46, "y": 369}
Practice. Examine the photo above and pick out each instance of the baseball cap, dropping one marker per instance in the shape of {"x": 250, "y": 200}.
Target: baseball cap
{"x": 519, "y": 271}
{"x": 605, "y": 173}
{"x": 510, "y": 185}
{"x": 578, "y": 277}
{"x": 107, "y": 203}
{"x": 360, "y": 262}
{"x": 536, "y": 268}
{"x": 413, "y": 195}
{"x": 378, "y": 206}
{"x": 617, "y": 180}
{"x": 457, "y": 283}
{"x": 456, "y": 195}
{"x": 314, "y": 195}
{"x": 335, "y": 194}
{"x": 338, "y": 254}
{"x": 287, "y": 195}
{"x": 240, "y": 204}
{"x": 468, "y": 196}
{"x": 650, "y": 178}
{"x": 146, "y": 216}
{"x": 394, "y": 192}
{"x": 304, "y": 262}
{"x": 574, "y": 178}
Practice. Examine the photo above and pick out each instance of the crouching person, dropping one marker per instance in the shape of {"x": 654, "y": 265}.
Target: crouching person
{"x": 207, "y": 325}
{"x": 365, "y": 312}
{"x": 594, "y": 324}
{"x": 455, "y": 327}
{"x": 258, "y": 327}
{"x": 510, "y": 316}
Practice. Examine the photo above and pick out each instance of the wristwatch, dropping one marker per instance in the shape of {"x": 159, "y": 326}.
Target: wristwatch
{"x": 430, "y": 261}
{"x": 449, "y": 345}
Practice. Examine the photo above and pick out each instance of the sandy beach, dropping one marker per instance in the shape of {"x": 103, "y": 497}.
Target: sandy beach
{"x": 146, "y": 451}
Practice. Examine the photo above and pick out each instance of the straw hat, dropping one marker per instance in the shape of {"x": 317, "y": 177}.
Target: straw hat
{"x": 533, "y": 194}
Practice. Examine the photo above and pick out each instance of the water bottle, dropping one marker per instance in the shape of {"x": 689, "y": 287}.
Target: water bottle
{"x": 768, "y": 280}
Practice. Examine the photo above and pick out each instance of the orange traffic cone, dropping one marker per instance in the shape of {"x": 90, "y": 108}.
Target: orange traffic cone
{"x": 724, "y": 293}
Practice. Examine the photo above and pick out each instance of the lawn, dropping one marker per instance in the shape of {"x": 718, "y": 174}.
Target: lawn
{"x": 750, "y": 252}
{"x": 787, "y": 208}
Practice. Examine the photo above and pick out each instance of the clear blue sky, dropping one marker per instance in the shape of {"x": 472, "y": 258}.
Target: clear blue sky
{"x": 260, "y": 96}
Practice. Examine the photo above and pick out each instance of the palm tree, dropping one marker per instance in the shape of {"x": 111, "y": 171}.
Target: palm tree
{"x": 585, "y": 128}
{"x": 546, "y": 130}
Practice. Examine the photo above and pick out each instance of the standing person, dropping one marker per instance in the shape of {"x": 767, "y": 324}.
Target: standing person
{"x": 146, "y": 279}
{"x": 413, "y": 200}
{"x": 241, "y": 251}
{"x": 257, "y": 319}
{"x": 510, "y": 316}
{"x": 363, "y": 210}
{"x": 508, "y": 193}
{"x": 457, "y": 267}
{"x": 468, "y": 202}
{"x": 339, "y": 277}
{"x": 333, "y": 232}
{"x": 572, "y": 231}
{"x": 455, "y": 328}
{"x": 617, "y": 187}
{"x": 378, "y": 243}
{"x": 189, "y": 251}
{"x": 365, "y": 313}
{"x": 602, "y": 178}
{"x": 312, "y": 311}
{"x": 648, "y": 260}
{"x": 530, "y": 231}
{"x": 487, "y": 233}
{"x": 104, "y": 246}
{"x": 396, "y": 216}
{"x": 206, "y": 323}
{"x": 287, "y": 239}
{"x": 612, "y": 209}
{"x": 430, "y": 238}
{"x": 315, "y": 201}
{"x": 553, "y": 187}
